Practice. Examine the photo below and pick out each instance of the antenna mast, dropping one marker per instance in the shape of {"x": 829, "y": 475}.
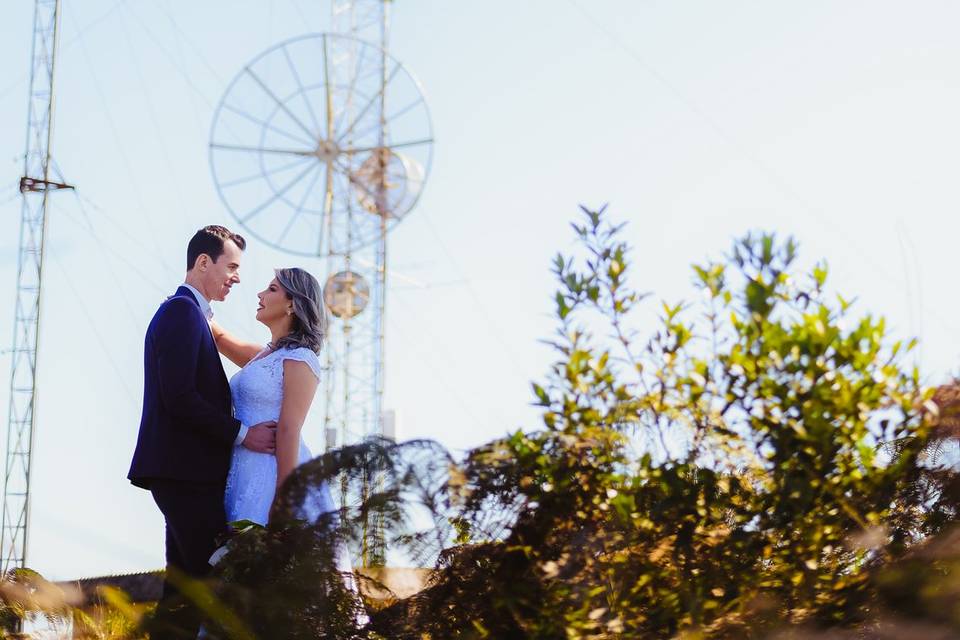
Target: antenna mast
{"x": 35, "y": 185}
{"x": 339, "y": 151}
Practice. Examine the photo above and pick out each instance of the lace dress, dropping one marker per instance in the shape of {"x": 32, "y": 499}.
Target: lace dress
{"x": 251, "y": 483}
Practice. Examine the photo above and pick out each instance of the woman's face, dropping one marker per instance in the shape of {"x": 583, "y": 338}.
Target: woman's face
{"x": 274, "y": 304}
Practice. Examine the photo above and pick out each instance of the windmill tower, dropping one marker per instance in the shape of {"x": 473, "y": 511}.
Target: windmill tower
{"x": 36, "y": 184}
{"x": 319, "y": 147}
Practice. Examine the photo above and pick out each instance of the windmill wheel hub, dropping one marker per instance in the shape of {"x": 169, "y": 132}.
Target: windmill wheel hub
{"x": 327, "y": 150}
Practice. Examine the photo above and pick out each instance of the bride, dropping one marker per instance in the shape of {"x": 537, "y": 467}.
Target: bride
{"x": 278, "y": 380}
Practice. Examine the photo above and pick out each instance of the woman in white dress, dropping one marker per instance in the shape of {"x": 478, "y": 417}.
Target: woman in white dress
{"x": 278, "y": 380}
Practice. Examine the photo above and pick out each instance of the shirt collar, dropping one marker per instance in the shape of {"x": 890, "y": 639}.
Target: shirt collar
{"x": 202, "y": 301}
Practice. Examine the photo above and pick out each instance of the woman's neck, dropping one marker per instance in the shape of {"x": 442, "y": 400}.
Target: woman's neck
{"x": 279, "y": 331}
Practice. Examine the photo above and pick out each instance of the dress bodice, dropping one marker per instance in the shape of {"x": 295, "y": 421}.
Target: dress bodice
{"x": 257, "y": 391}
{"x": 257, "y": 388}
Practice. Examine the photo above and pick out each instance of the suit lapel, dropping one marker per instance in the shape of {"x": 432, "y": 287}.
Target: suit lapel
{"x": 212, "y": 345}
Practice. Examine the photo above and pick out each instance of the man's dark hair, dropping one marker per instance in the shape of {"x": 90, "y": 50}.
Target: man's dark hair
{"x": 210, "y": 240}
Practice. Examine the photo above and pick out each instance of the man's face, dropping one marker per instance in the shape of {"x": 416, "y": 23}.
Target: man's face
{"x": 224, "y": 273}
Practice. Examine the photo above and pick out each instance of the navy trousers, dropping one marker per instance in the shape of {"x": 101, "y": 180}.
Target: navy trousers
{"x": 195, "y": 517}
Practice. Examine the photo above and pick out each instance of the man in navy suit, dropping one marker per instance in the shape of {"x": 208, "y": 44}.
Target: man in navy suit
{"x": 187, "y": 431}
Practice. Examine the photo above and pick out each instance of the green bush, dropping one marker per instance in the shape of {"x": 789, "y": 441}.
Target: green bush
{"x": 738, "y": 471}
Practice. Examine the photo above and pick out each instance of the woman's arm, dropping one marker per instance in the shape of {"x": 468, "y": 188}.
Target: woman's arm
{"x": 299, "y": 386}
{"x": 236, "y": 350}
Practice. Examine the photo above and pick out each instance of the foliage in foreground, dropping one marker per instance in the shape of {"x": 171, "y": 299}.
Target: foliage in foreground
{"x": 751, "y": 467}
{"x": 760, "y": 464}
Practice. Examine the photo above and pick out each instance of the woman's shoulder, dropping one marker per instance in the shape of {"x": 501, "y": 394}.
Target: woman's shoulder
{"x": 302, "y": 354}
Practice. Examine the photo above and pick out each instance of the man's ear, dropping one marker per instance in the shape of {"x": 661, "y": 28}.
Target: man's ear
{"x": 203, "y": 261}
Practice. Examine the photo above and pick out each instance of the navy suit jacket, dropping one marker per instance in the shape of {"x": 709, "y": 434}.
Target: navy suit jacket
{"x": 187, "y": 430}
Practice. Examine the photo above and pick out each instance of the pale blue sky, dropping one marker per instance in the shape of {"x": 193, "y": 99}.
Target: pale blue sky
{"x": 696, "y": 121}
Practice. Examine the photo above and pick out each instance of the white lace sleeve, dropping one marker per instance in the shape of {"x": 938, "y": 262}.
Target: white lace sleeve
{"x": 302, "y": 354}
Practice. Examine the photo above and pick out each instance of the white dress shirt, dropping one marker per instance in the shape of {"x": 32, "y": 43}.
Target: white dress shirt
{"x": 202, "y": 301}
{"x": 207, "y": 311}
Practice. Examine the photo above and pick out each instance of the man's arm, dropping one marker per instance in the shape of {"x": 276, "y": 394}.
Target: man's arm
{"x": 177, "y": 338}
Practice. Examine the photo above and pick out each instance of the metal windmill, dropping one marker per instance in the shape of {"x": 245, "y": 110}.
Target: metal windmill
{"x": 37, "y": 182}
{"x": 319, "y": 147}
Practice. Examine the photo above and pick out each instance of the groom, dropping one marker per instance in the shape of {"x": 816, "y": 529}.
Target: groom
{"x": 187, "y": 431}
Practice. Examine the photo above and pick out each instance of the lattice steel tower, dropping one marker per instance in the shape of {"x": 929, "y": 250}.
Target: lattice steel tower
{"x": 35, "y": 185}
{"x": 319, "y": 147}
{"x": 355, "y": 290}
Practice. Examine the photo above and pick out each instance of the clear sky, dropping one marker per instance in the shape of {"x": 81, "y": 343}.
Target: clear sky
{"x": 696, "y": 121}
